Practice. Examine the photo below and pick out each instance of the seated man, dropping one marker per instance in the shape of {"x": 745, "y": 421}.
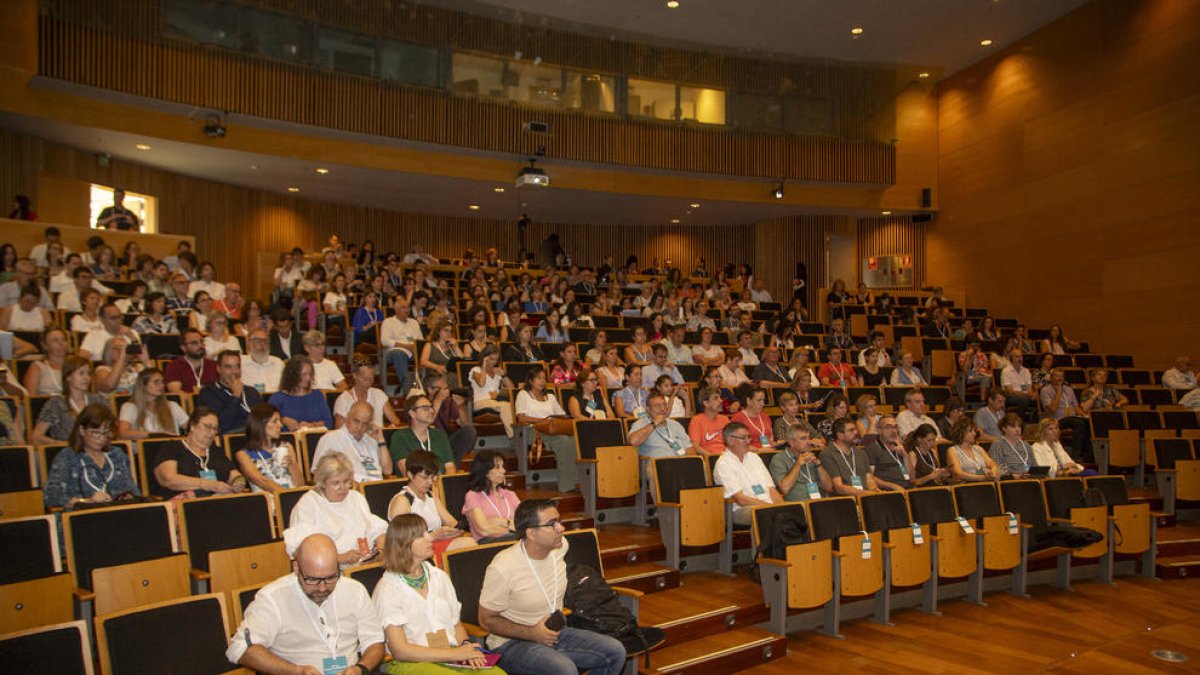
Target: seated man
{"x": 286, "y": 341}
{"x": 1180, "y": 376}
{"x": 974, "y": 367}
{"x": 913, "y": 415}
{"x": 660, "y": 366}
{"x": 1059, "y": 401}
{"x": 1017, "y": 382}
{"x": 848, "y": 467}
{"x": 111, "y": 318}
{"x": 422, "y": 434}
{"x": 891, "y": 465}
{"x": 836, "y": 373}
{"x": 677, "y": 352}
{"x": 988, "y": 418}
{"x": 360, "y": 443}
{"x": 398, "y": 336}
{"x": 450, "y": 417}
{"x": 24, "y": 274}
{"x": 228, "y": 397}
{"x": 190, "y": 371}
{"x": 743, "y": 474}
{"x": 260, "y": 369}
{"x": 797, "y": 471}
{"x": 311, "y": 621}
{"x": 658, "y": 435}
{"x": 521, "y": 603}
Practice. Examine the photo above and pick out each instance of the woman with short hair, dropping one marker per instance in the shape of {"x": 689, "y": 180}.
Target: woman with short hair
{"x": 422, "y": 468}
{"x": 57, "y": 417}
{"x": 335, "y": 509}
{"x": 196, "y": 464}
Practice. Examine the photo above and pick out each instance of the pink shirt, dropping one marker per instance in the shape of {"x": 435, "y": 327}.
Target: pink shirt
{"x": 500, "y": 504}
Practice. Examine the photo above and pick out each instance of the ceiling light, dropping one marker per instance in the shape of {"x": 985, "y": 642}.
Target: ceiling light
{"x": 142, "y": 146}
{"x": 672, "y": 4}
{"x": 322, "y": 170}
{"x": 473, "y": 207}
{"x": 985, "y": 43}
{"x": 923, "y": 76}
{"x": 293, "y": 189}
{"x": 695, "y": 206}
{"x": 498, "y": 189}
{"x": 674, "y": 221}
{"x": 856, "y": 31}
{"x": 885, "y": 213}
{"x": 777, "y": 193}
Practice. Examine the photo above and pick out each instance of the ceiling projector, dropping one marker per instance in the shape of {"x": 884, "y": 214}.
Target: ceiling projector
{"x": 532, "y": 176}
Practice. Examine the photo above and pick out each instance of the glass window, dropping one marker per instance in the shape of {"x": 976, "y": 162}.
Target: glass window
{"x": 274, "y": 35}
{"x": 808, "y": 116}
{"x": 535, "y": 84}
{"x": 410, "y": 63}
{"x": 214, "y": 23}
{"x": 478, "y": 76}
{"x": 754, "y": 112}
{"x": 652, "y": 99}
{"x": 591, "y": 92}
{"x": 346, "y": 52}
{"x": 144, "y": 207}
{"x": 702, "y": 105}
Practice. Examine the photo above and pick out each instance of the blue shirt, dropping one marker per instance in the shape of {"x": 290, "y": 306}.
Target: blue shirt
{"x": 632, "y": 398}
{"x": 311, "y": 407}
{"x": 665, "y": 441}
{"x": 364, "y": 316}
{"x": 74, "y": 475}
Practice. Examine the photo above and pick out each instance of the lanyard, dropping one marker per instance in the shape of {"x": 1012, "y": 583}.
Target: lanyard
{"x": 202, "y": 462}
{"x": 803, "y": 469}
{"x": 552, "y": 604}
{"x": 197, "y": 372}
{"x": 670, "y": 439}
{"x": 851, "y": 463}
{"x": 930, "y": 461}
{"x": 428, "y": 443}
{"x": 319, "y": 625}
{"x": 754, "y": 425}
{"x": 507, "y": 506}
{"x": 112, "y": 471}
{"x": 241, "y": 399}
{"x": 1023, "y": 455}
{"x": 976, "y": 464}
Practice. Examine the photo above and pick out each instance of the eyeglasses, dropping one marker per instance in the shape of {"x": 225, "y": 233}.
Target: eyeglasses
{"x": 207, "y": 426}
{"x": 550, "y": 523}
{"x": 99, "y": 432}
{"x": 743, "y": 439}
{"x": 422, "y": 407}
{"x": 317, "y": 581}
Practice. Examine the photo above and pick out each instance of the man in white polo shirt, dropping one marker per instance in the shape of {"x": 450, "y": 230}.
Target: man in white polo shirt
{"x": 368, "y": 453}
{"x": 743, "y": 474}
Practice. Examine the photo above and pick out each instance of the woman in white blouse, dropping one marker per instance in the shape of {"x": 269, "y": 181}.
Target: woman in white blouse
{"x": 799, "y": 364}
{"x": 149, "y": 412}
{"x": 219, "y": 338}
{"x": 486, "y": 382}
{"x": 731, "y": 371}
{"x": 1048, "y": 451}
{"x": 418, "y": 608}
{"x": 417, "y": 497}
{"x": 706, "y": 353}
{"x": 334, "y": 509}
{"x": 540, "y": 408}
{"x": 612, "y": 373}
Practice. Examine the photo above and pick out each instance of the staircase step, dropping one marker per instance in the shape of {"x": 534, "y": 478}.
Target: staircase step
{"x": 706, "y": 603}
{"x": 727, "y": 652}
{"x": 624, "y": 544}
{"x": 1178, "y": 567}
{"x": 646, "y": 577}
{"x": 567, "y": 502}
{"x": 576, "y": 521}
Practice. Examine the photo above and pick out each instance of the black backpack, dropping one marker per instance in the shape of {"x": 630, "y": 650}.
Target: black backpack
{"x": 595, "y": 607}
{"x": 786, "y": 529}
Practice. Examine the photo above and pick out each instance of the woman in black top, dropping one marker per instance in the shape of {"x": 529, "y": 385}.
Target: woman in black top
{"x": 587, "y": 401}
{"x": 196, "y": 463}
{"x": 523, "y": 349}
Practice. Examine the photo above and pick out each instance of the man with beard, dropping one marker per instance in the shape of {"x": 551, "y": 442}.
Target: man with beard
{"x": 191, "y": 371}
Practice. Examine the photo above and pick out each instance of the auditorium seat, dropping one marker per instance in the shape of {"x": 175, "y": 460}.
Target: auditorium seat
{"x": 20, "y": 490}
{"x": 34, "y": 589}
{"x": 285, "y": 501}
{"x": 62, "y": 648}
{"x": 908, "y": 561}
{"x": 1064, "y": 500}
{"x": 998, "y": 540}
{"x": 857, "y": 556}
{"x": 467, "y": 568}
{"x": 191, "y": 634}
{"x": 690, "y": 509}
{"x": 607, "y": 467}
{"x": 955, "y": 554}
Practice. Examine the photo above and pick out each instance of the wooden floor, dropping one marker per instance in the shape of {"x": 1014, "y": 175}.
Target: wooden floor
{"x": 1096, "y": 629}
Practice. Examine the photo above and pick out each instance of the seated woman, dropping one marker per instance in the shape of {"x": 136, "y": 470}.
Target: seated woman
{"x": 57, "y": 417}
{"x": 598, "y": 345}
{"x": 486, "y": 382}
{"x": 905, "y": 374}
{"x": 417, "y": 497}
{"x": 567, "y": 367}
{"x": 44, "y": 377}
{"x": 253, "y": 318}
{"x": 1040, "y": 376}
{"x": 118, "y": 371}
{"x": 26, "y": 315}
{"x": 202, "y": 308}
{"x": 630, "y": 399}
{"x": 611, "y": 370}
{"x": 219, "y": 338}
{"x": 706, "y": 353}
{"x": 1048, "y": 451}
{"x": 731, "y": 371}
{"x": 149, "y": 412}
{"x": 479, "y": 341}
{"x": 418, "y": 608}
{"x": 366, "y": 318}
{"x": 1100, "y": 396}
{"x": 336, "y": 510}
{"x": 441, "y": 353}
{"x": 872, "y": 374}
{"x": 639, "y": 350}
{"x": 490, "y": 505}
{"x": 967, "y": 461}
{"x": 270, "y": 464}
{"x": 836, "y": 408}
{"x": 587, "y": 401}
{"x": 953, "y": 410}
{"x": 1010, "y": 452}
{"x": 799, "y": 366}
{"x": 538, "y": 407}
{"x": 301, "y": 406}
{"x": 523, "y": 347}
{"x": 1056, "y": 343}
{"x": 868, "y": 419}
{"x": 195, "y": 465}
{"x": 680, "y": 407}
{"x": 89, "y": 470}
{"x": 550, "y": 328}
{"x": 88, "y": 319}
{"x": 156, "y": 319}
{"x": 927, "y": 469}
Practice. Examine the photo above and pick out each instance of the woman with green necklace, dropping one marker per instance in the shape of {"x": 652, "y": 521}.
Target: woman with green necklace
{"x": 419, "y": 609}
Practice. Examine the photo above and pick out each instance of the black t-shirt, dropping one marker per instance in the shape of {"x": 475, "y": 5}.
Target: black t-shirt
{"x": 597, "y": 398}
{"x": 887, "y": 466}
{"x": 872, "y": 379}
{"x": 188, "y": 464}
{"x": 127, "y": 221}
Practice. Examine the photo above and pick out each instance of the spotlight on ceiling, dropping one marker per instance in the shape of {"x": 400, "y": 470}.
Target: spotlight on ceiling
{"x": 777, "y": 193}
{"x": 856, "y": 32}
{"x": 673, "y": 4}
{"x": 985, "y": 43}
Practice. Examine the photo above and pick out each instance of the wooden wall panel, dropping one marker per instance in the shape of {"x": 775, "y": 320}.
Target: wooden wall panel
{"x": 1068, "y": 166}
{"x": 780, "y": 243}
{"x": 892, "y": 236}
{"x": 219, "y": 80}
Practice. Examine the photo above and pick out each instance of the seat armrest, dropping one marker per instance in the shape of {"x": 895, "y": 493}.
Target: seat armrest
{"x": 588, "y": 461}
{"x": 630, "y": 592}
{"x": 84, "y": 595}
{"x": 1064, "y": 521}
{"x": 474, "y": 631}
{"x": 669, "y": 505}
{"x": 776, "y": 562}
{"x": 199, "y": 575}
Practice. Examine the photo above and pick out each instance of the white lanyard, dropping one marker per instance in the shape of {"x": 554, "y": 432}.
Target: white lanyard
{"x": 552, "y": 604}
{"x": 428, "y": 440}
{"x": 851, "y": 463}
{"x": 112, "y": 471}
{"x": 507, "y": 506}
{"x": 930, "y": 461}
{"x": 1023, "y": 455}
{"x": 754, "y": 425}
{"x": 197, "y": 372}
{"x": 976, "y": 464}
{"x": 667, "y": 436}
{"x": 320, "y": 625}
{"x": 202, "y": 461}
{"x": 803, "y": 469}
{"x": 241, "y": 399}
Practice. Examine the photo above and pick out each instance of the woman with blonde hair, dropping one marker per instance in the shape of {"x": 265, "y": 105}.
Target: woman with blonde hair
{"x": 1048, "y": 451}
{"x": 868, "y": 419}
{"x": 149, "y": 412}
{"x": 419, "y": 609}
{"x": 335, "y": 509}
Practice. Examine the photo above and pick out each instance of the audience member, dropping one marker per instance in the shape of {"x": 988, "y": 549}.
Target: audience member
{"x": 335, "y": 509}
{"x": 913, "y": 415}
{"x": 360, "y": 444}
{"x": 539, "y": 408}
{"x": 149, "y": 412}
{"x": 866, "y": 416}
{"x": 261, "y": 370}
{"x": 1056, "y": 343}
{"x": 268, "y": 462}
{"x": 790, "y": 416}
{"x": 989, "y": 417}
{"x": 768, "y": 372}
{"x": 90, "y": 469}
{"x": 363, "y": 377}
{"x": 189, "y": 372}
{"x": 26, "y": 314}
{"x": 157, "y": 319}
{"x": 974, "y": 367}
{"x": 1100, "y": 396}
{"x": 219, "y": 338}
{"x": 118, "y": 216}
{"x": 704, "y": 429}
{"x": 286, "y": 342}
{"x": 1048, "y": 451}
{"x": 196, "y": 465}
{"x": 1017, "y": 382}
{"x": 1010, "y": 452}
{"x": 421, "y": 468}
{"x": 657, "y": 435}
{"x": 743, "y": 475}
{"x": 965, "y": 459}
{"x": 327, "y": 376}
{"x": 1180, "y": 376}
{"x": 892, "y": 466}
{"x": 490, "y": 505}
{"x": 922, "y": 447}
{"x": 797, "y": 470}
{"x": 44, "y": 376}
{"x": 753, "y": 400}
{"x": 586, "y": 400}
{"x": 838, "y": 374}
{"x": 422, "y": 434}
{"x": 848, "y": 466}
{"x": 57, "y": 416}
{"x": 1059, "y": 402}
{"x": 836, "y": 408}
{"x": 952, "y": 410}
{"x": 905, "y": 375}
{"x": 301, "y": 405}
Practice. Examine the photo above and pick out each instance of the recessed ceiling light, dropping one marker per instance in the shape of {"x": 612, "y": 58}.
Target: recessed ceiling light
{"x": 923, "y": 76}
{"x": 142, "y": 146}
{"x": 985, "y": 43}
{"x": 293, "y": 189}
{"x": 695, "y": 206}
{"x": 473, "y": 207}
{"x": 885, "y": 213}
{"x": 674, "y": 221}
{"x": 322, "y": 170}
{"x": 673, "y": 4}
{"x": 856, "y": 31}
{"x": 499, "y": 189}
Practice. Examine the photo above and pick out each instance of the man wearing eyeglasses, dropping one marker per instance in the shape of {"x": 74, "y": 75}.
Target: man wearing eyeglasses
{"x": 92, "y": 347}
{"x": 522, "y": 599}
{"x": 312, "y": 622}
{"x": 847, "y": 465}
{"x": 260, "y": 369}
{"x": 743, "y": 474}
{"x": 892, "y": 467}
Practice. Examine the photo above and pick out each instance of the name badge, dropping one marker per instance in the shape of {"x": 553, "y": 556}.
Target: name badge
{"x": 764, "y": 441}
{"x": 856, "y": 481}
{"x": 640, "y": 413}
{"x": 332, "y": 666}
{"x": 208, "y": 474}
{"x": 866, "y": 546}
{"x": 965, "y": 525}
{"x": 918, "y": 534}
{"x": 758, "y": 490}
{"x": 675, "y": 447}
{"x": 1013, "y": 525}
{"x": 814, "y": 492}
{"x": 591, "y": 406}
{"x": 368, "y": 464}
{"x": 904, "y": 472}
{"x": 437, "y": 640}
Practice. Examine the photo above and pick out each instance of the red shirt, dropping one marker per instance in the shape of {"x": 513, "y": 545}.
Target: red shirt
{"x": 180, "y": 370}
{"x": 838, "y": 376}
{"x": 759, "y": 427}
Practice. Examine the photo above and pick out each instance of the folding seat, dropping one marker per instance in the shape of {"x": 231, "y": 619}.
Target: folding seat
{"x": 609, "y": 469}
{"x": 62, "y": 648}
{"x": 34, "y": 589}
{"x": 998, "y": 548}
{"x": 241, "y": 599}
{"x": 1064, "y": 499}
{"x": 1135, "y": 528}
{"x": 285, "y": 501}
{"x": 955, "y": 551}
{"x": 584, "y": 549}
{"x": 1155, "y": 396}
{"x": 1126, "y": 451}
{"x": 802, "y": 579}
{"x": 1026, "y": 499}
{"x": 1088, "y": 360}
{"x": 691, "y": 510}
{"x": 231, "y": 541}
{"x": 1180, "y": 419}
{"x": 309, "y": 438}
{"x": 379, "y": 493}
{"x": 20, "y": 491}
{"x": 857, "y": 557}
{"x": 467, "y": 568}
{"x": 453, "y": 488}
{"x": 368, "y": 575}
{"x": 190, "y": 634}
{"x": 124, "y": 556}
{"x": 1133, "y": 376}
{"x": 1169, "y": 453}
{"x": 907, "y": 557}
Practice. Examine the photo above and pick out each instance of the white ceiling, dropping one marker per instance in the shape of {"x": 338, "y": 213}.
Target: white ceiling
{"x": 940, "y": 34}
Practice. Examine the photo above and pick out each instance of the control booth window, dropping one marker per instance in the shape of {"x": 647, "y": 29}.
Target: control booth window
{"x": 144, "y": 207}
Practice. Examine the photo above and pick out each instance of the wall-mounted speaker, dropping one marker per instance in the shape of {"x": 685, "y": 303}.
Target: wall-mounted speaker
{"x": 926, "y": 197}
